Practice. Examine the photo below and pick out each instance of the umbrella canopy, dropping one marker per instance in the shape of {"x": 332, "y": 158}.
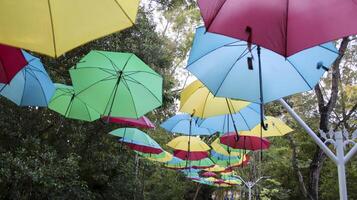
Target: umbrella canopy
{"x": 162, "y": 157}
{"x": 215, "y": 168}
{"x": 187, "y": 143}
{"x": 218, "y": 156}
{"x": 194, "y": 164}
{"x": 137, "y": 140}
{"x": 31, "y": 86}
{"x": 55, "y": 27}
{"x": 225, "y": 150}
{"x": 11, "y": 61}
{"x": 185, "y": 124}
{"x": 245, "y": 162}
{"x": 142, "y": 122}
{"x": 244, "y": 142}
{"x": 285, "y": 27}
{"x": 209, "y": 174}
{"x": 195, "y": 155}
{"x": 117, "y": 84}
{"x": 276, "y": 127}
{"x": 228, "y": 163}
{"x": 245, "y": 119}
{"x": 197, "y": 99}
{"x": 65, "y": 102}
{"x": 222, "y": 66}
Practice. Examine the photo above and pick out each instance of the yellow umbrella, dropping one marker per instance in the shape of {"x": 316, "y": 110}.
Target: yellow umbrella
{"x": 182, "y": 143}
{"x": 211, "y": 179}
{"x": 197, "y": 99}
{"x": 162, "y": 157}
{"x": 225, "y": 150}
{"x": 276, "y": 127}
{"x": 215, "y": 168}
{"x": 54, "y": 27}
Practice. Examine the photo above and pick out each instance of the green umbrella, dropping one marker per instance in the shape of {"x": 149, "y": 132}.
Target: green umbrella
{"x": 117, "y": 84}
{"x": 65, "y": 102}
{"x": 196, "y": 164}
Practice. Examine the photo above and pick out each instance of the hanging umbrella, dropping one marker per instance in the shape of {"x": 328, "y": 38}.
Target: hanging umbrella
{"x": 31, "y": 86}
{"x": 245, "y": 119}
{"x": 186, "y": 143}
{"x": 142, "y": 122}
{"x": 11, "y": 61}
{"x": 199, "y": 101}
{"x": 65, "y": 102}
{"x": 244, "y": 162}
{"x": 225, "y": 150}
{"x": 194, "y": 164}
{"x": 284, "y": 27}
{"x": 215, "y": 168}
{"x": 162, "y": 157}
{"x": 222, "y": 66}
{"x": 276, "y": 127}
{"x": 191, "y": 155}
{"x": 185, "y": 124}
{"x": 244, "y": 142}
{"x": 209, "y": 174}
{"x": 55, "y": 27}
{"x": 137, "y": 140}
{"x": 117, "y": 84}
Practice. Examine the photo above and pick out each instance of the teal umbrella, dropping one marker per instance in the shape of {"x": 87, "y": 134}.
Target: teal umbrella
{"x": 117, "y": 84}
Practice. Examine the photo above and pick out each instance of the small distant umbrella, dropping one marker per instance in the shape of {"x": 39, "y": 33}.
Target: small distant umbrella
{"x": 31, "y": 86}
{"x": 11, "y": 62}
{"x": 65, "y": 102}
{"x": 117, "y": 84}
{"x": 225, "y": 150}
{"x": 185, "y": 124}
{"x": 209, "y": 174}
{"x": 276, "y": 127}
{"x": 244, "y": 142}
{"x": 193, "y": 155}
{"x": 137, "y": 140}
{"x": 142, "y": 122}
{"x": 188, "y": 143}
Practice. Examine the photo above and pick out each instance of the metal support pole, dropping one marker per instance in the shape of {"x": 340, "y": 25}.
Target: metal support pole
{"x": 352, "y": 152}
{"x": 250, "y": 193}
{"x": 341, "y": 165}
{"x": 317, "y": 140}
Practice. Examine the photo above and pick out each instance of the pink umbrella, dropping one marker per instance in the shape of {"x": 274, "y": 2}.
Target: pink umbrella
{"x": 142, "y": 122}
{"x": 11, "y": 61}
{"x": 283, "y": 26}
{"x": 244, "y": 142}
{"x": 209, "y": 174}
{"x": 193, "y": 155}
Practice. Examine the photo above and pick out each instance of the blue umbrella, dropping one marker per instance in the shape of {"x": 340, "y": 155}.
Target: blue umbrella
{"x": 245, "y": 119}
{"x": 31, "y": 86}
{"x": 185, "y": 124}
{"x": 234, "y": 69}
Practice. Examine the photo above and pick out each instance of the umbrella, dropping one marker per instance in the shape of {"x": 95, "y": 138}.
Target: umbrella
{"x": 215, "y": 168}
{"x": 245, "y": 119}
{"x": 285, "y": 27}
{"x": 275, "y": 128}
{"x": 142, "y": 122}
{"x": 185, "y": 124}
{"x": 194, "y": 164}
{"x": 192, "y": 155}
{"x": 137, "y": 140}
{"x": 162, "y": 157}
{"x": 65, "y": 102}
{"x": 245, "y": 162}
{"x": 209, "y": 174}
{"x": 197, "y": 99}
{"x": 31, "y": 86}
{"x": 187, "y": 143}
{"x": 117, "y": 84}
{"x": 55, "y": 27}
{"x": 222, "y": 66}
{"x": 244, "y": 142}
{"x": 11, "y": 61}
{"x": 225, "y": 150}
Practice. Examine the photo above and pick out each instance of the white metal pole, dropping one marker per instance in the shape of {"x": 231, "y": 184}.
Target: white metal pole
{"x": 250, "y": 192}
{"x": 317, "y": 140}
{"x": 341, "y": 165}
{"x": 351, "y": 153}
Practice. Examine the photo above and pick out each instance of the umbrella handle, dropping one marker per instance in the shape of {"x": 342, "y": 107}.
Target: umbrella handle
{"x": 265, "y": 126}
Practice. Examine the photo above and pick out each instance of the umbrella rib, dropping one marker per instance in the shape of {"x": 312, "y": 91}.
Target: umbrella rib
{"x": 126, "y": 14}
{"x": 303, "y": 78}
{"x": 104, "y": 79}
{"x": 135, "y": 81}
{"x": 338, "y": 53}
{"x": 211, "y": 51}
{"x": 52, "y": 28}
{"x": 205, "y": 103}
{"x": 43, "y": 92}
{"x": 25, "y": 77}
{"x": 135, "y": 72}
{"x": 215, "y": 15}
{"x": 245, "y": 52}
{"x": 111, "y": 72}
{"x": 131, "y": 96}
{"x": 110, "y": 60}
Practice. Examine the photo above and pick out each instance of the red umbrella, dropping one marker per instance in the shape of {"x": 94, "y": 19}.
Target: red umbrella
{"x": 142, "y": 122}
{"x": 244, "y": 142}
{"x": 143, "y": 149}
{"x": 285, "y": 26}
{"x": 209, "y": 174}
{"x": 193, "y": 155}
{"x": 11, "y": 61}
